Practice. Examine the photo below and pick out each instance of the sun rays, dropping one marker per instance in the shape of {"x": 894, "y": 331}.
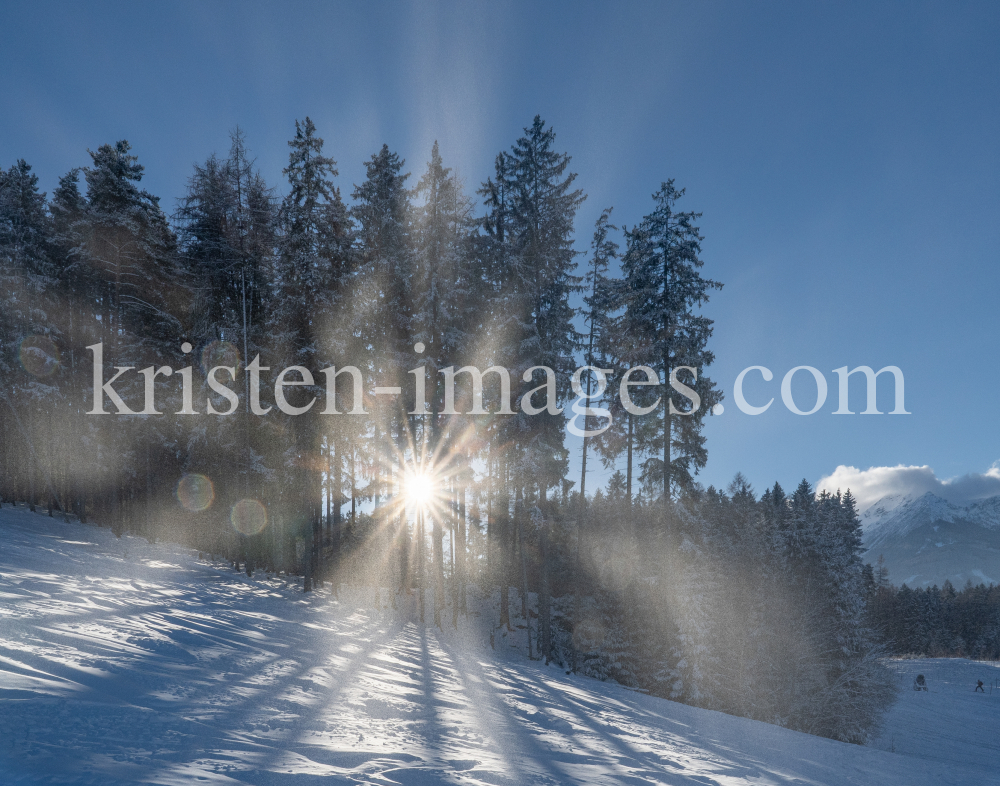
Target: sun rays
{"x": 419, "y": 488}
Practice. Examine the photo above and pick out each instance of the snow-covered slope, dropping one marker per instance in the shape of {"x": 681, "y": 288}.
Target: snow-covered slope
{"x": 896, "y": 516}
{"x": 950, "y": 721}
{"x": 122, "y": 662}
{"x": 926, "y": 539}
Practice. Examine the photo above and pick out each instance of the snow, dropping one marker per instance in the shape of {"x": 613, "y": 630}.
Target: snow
{"x": 927, "y": 540}
{"x": 986, "y": 512}
{"x": 950, "y": 722}
{"x": 125, "y": 662}
{"x": 896, "y": 515}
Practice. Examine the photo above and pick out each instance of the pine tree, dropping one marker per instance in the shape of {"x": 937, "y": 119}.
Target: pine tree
{"x": 311, "y": 276}
{"x": 603, "y": 250}
{"x": 661, "y": 293}
{"x": 28, "y": 335}
{"x": 497, "y": 256}
{"x": 445, "y": 320}
{"x": 529, "y": 229}
{"x": 126, "y": 260}
{"x": 226, "y": 225}
{"x": 383, "y": 321}
{"x": 544, "y": 208}
{"x": 75, "y": 321}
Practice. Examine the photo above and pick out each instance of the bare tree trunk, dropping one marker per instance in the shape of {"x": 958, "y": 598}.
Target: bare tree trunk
{"x": 544, "y": 605}
{"x": 505, "y": 547}
{"x": 421, "y": 566}
{"x": 462, "y": 546}
{"x": 31, "y": 483}
{"x": 149, "y": 498}
{"x": 438, "y": 535}
{"x": 581, "y": 512}
{"x": 519, "y": 523}
{"x": 628, "y": 487}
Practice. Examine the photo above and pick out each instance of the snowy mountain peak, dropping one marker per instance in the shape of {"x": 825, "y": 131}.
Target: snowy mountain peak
{"x": 926, "y": 539}
{"x": 986, "y": 512}
{"x": 885, "y": 505}
{"x": 897, "y": 514}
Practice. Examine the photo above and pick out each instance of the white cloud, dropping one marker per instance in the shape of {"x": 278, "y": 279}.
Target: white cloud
{"x": 870, "y": 485}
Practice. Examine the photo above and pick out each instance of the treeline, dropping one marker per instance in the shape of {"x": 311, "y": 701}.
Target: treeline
{"x": 237, "y": 275}
{"x": 939, "y": 622}
{"x": 752, "y": 606}
{"x": 755, "y": 607}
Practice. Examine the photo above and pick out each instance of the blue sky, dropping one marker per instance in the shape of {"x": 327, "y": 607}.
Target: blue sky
{"x": 846, "y": 158}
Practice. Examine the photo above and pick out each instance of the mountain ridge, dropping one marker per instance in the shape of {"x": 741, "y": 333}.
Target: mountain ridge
{"x": 927, "y": 540}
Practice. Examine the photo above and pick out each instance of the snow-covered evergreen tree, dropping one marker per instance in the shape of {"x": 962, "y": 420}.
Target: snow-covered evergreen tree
{"x": 383, "y": 323}
{"x": 445, "y": 318}
{"x": 227, "y": 235}
{"x": 29, "y": 337}
{"x": 661, "y": 295}
{"x": 539, "y": 279}
{"x": 310, "y": 283}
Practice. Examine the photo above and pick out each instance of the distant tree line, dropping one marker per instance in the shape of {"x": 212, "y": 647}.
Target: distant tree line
{"x": 939, "y": 622}
{"x": 752, "y": 606}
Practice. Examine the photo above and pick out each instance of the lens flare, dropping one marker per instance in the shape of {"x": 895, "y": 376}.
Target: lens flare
{"x": 195, "y": 492}
{"x": 219, "y": 353}
{"x": 248, "y": 517}
{"x": 39, "y": 355}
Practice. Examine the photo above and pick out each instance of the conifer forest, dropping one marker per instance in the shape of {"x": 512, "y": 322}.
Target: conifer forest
{"x": 448, "y": 498}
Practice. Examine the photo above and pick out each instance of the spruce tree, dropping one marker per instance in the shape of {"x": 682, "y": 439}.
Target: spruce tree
{"x": 661, "y": 295}
{"x": 603, "y": 251}
{"x": 531, "y": 207}
{"x": 497, "y": 256}
{"x": 445, "y": 320}
{"x": 226, "y": 225}
{"x": 543, "y": 210}
{"x": 142, "y": 303}
{"x": 28, "y": 334}
{"x": 310, "y": 281}
{"x": 383, "y": 323}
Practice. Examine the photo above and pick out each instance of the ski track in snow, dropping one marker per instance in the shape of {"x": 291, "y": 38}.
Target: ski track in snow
{"x": 123, "y": 662}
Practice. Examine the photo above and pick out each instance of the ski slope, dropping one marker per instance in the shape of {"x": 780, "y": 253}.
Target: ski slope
{"x": 950, "y": 722}
{"x": 125, "y": 662}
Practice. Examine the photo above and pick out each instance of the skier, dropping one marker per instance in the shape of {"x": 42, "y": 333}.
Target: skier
{"x": 920, "y": 683}
{"x": 979, "y": 686}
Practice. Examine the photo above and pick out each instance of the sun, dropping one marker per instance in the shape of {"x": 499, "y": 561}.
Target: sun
{"x": 419, "y": 488}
